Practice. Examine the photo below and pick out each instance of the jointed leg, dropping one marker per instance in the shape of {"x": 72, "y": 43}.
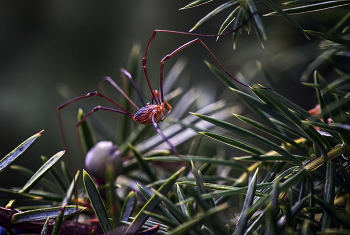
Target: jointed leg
{"x": 94, "y": 110}
{"x": 157, "y": 95}
{"x": 185, "y": 33}
{"x": 62, "y": 132}
{"x": 149, "y": 84}
{"x": 90, "y": 95}
{"x": 110, "y": 80}
{"x": 187, "y": 45}
{"x": 123, "y": 71}
{"x": 72, "y": 101}
{"x": 164, "y": 137}
{"x": 169, "y": 111}
{"x": 126, "y": 73}
{"x": 77, "y": 126}
{"x": 172, "y": 147}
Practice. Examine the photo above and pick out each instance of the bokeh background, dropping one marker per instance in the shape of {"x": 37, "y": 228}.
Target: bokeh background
{"x": 47, "y": 44}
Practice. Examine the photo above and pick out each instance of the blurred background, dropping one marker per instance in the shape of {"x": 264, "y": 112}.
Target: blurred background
{"x": 47, "y": 44}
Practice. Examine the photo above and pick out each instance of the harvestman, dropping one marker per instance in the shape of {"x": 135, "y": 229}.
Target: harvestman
{"x": 154, "y": 112}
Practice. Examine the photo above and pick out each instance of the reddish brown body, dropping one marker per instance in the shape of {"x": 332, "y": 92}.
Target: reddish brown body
{"x": 144, "y": 114}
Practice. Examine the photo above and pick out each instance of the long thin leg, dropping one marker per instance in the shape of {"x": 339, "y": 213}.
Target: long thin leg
{"x": 73, "y": 100}
{"x": 156, "y": 93}
{"x": 149, "y": 84}
{"x": 110, "y": 80}
{"x": 167, "y": 104}
{"x": 164, "y": 137}
{"x": 90, "y": 94}
{"x": 77, "y": 128}
{"x": 95, "y": 109}
{"x": 172, "y": 147}
{"x": 185, "y": 33}
{"x": 170, "y": 109}
{"x": 123, "y": 71}
{"x": 126, "y": 73}
{"x": 183, "y": 47}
